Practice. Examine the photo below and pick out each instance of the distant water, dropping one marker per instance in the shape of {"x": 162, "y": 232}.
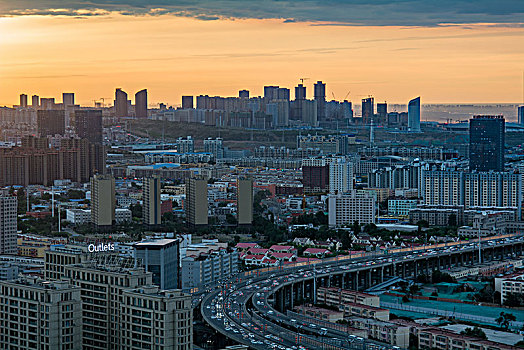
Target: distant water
{"x": 456, "y": 112}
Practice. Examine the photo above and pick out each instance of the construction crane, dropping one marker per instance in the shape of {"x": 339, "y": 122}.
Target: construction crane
{"x": 302, "y": 80}
{"x": 334, "y": 98}
{"x": 345, "y": 97}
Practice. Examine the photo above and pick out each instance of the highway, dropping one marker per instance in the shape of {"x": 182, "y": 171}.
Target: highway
{"x": 242, "y": 308}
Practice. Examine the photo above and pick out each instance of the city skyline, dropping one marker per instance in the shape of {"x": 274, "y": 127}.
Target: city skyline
{"x": 465, "y": 59}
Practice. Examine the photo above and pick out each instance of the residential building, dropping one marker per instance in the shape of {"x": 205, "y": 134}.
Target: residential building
{"x": 513, "y": 283}
{"x": 185, "y": 145}
{"x": 151, "y": 211}
{"x": 340, "y": 175}
{"x": 87, "y": 124}
{"x": 8, "y": 223}
{"x": 196, "y": 204}
{"x": 121, "y": 104}
{"x": 244, "y": 201}
{"x": 50, "y": 122}
{"x": 386, "y": 332}
{"x": 161, "y": 257}
{"x": 337, "y": 296}
{"x": 486, "y": 143}
{"x": 320, "y": 98}
{"x": 40, "y": 315}
{"x": 401, "y": 207}
{"x": 103, "y": 200}
{"x": 214, "y": 146}
{"x": 315, "y": 175}
{"x": 345, "y": 209}
{"x": 165, "y": 319}
{"x": 368, "y": 110}
{"x": 204, "y": 268}
{"x": 520, "y": 115}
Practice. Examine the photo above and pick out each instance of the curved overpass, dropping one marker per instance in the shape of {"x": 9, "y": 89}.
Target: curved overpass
{"x": 249, "y": 308}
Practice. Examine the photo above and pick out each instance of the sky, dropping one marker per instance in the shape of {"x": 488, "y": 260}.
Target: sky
{"x": 460, "y": 51}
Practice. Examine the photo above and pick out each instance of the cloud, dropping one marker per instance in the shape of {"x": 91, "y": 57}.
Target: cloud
{"x": 322, "y": 12}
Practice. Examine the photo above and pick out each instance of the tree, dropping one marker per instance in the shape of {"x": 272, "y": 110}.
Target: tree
{"x": 514, "y": 300}
{"x": 136, "y": 210}
{"x": 505, "y": 319}
{"x": 474, "y": 332}
{"x": 356, "y": 227}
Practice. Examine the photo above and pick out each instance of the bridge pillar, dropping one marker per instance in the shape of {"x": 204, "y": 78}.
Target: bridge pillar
{"x": 292, "y": 295}
{"x": 403, "y": 270}
{"x": 416, "y": 269}
{"x": 381, "y": 274}
{"x": 356, "y": 281}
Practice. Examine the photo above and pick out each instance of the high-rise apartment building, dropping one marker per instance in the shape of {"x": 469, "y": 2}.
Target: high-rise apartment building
{"x": 368, "y": 110}
{"x": 37, "y": 314}
{"x": 215, "y": 147}
{"x": 196, "y": 204}
{"x": 103, "y": 200}
{"x": 345, "y": 209}
{"x": 320, "y": 98}
{"x": 68, "y": 99}
{"x": 120, "y": 103}
{"x": 35, "y": 101}
{"x": 382, "y": 113}
{"x": 486, "y": 143}
{"x": 8, "y": 223}
{"x": 161, "y": 257}
{"x": 300, "y": 92}
{"x": 187, "y": 102}
{"x": 340, "y": 175}
{"x": 185, "y": 145}
{"x": 244, "y": 201}
{"x": 414, "y": 115}
{"x": 50, "y": 122}
{"x": 520, "y": 115}
{"x": 315, "y": 175}
{"x": 47, "y": 103}
{"x": 165, "y": 318}
{"x": 23, "y": 101}
{"x": 243, "y": 94}
{"x": 87, "y": 124}
{"x": 141, "y": 104}
{"x": 151, "y": 211}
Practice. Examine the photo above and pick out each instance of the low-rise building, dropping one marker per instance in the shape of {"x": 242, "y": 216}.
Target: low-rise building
{"x": 386, "y": 332}
{"x": 513, "y": 283}
{"x": 320, "y": 313}
{"x": 336, "y": 296}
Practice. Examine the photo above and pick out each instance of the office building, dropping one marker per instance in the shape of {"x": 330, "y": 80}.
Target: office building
{"x": 8, "y": 223}
{"x": 35, "y": 101}
{"x": 196, "y": 202}
{"x": 520, "y": 115}
{"x": 368, "y": 110}
{"x": 243, "y": 94}
{"x": 345, "y": 209}
{"x": 50, "y": 122}
{"x": 151, "y": 213}
{"x": 161, "y": 257}
{"x": 40, "y": 315}
{"x": 120, "y": 103}
{"x": 103, "y": 200}
{"x": 244, "y": 201}
{"x": 68, "y": 99}
{"x": 23, "y": 101}
{"x": 414, "y": 115}
{"x": 320, "y": 98}
{"x": 486, "y": 143}
{"x": 87, "y": 124}
{"x": 141, "y": 104}
{"x": 187, "y": 102}
{"x": 215, "y": 147}
{"x": 165, "y": 318}
{"x": 340, "y": 175}
{"x": 401, "y": 207}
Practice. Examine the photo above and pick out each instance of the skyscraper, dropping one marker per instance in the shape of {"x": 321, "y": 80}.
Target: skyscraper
{"x": 120, "y": 103}
{"x": 35, "y": 101}
{"x": 414, "y": 115}
{"x": 382, "y": 113}
{"x": 520, "y": 115}
{"x": 368, "y": 109}
{"x": 270, "y": 93}
{"x": 187, "y": 102}
{"x": 87, "y": 124}
{"x": 243, "y": 93}
{"x": 141, "y": 104}
{"x": 151, "y": 213}
{"x": 245, "y": 201}
{"x": 320, "y": 97}
{"x": 23, "y": 100}
{"x": 300, "y": 92}
{"x": 102, "y": 200}
{"x": 486, "y": 143}
{"x": 50, "y": 122}
{"x": 196, "y": 202}
{"x": 8, "y": 223}
{"x": 68, "y": 99}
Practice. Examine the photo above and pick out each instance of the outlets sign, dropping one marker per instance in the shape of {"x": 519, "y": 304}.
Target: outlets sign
{"x": 101, "y": 247}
